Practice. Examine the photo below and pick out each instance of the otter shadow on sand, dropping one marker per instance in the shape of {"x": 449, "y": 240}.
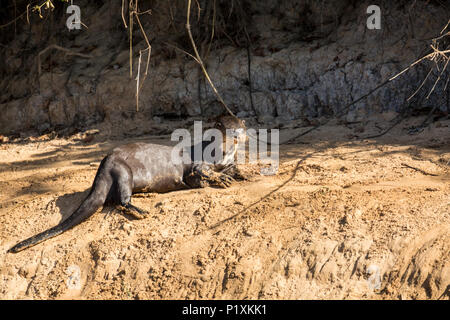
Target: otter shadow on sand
{"x": 69, "y": 203}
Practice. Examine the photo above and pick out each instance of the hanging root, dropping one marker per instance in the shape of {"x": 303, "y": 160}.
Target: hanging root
{"x": 200, "y": 61}
{"x": 134, "y": 13}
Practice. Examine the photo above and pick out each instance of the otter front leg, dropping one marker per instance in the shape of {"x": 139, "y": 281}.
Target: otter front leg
{"x": 203, "y": 175}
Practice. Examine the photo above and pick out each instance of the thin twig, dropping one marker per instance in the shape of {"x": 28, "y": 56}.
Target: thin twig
{"x": 423, "y": 82}
{"x": 249, "y": 63}
{"x": 428, "y": 56}
{"x": 448, "y": 23}
{"x": 133, "y": 12}
{"x": 28, "y": 18}
{"x": 123, "y": 17}
{"x": 420, "y": 170}
{"x": 130, "y": 13}
{"x": 149, "y": 47}
{"x": 438, "y": 78}
{"x": 137, "y": 81}
{"x": 181, "y": 50}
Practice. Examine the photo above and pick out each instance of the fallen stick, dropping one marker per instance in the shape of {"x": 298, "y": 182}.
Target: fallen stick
{"x": 419, "y": 170}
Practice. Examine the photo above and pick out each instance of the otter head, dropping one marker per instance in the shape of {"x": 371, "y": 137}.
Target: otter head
{"x": 231, "y": 128}
{"x": 234, "y": 133}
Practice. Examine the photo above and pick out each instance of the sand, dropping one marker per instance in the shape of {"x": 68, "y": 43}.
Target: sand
{"x": 344, "y": 218}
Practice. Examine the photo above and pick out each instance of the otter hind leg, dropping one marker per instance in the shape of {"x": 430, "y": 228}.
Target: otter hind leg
{"x": 123, "y": 177}
{"x": 133, "y": 211}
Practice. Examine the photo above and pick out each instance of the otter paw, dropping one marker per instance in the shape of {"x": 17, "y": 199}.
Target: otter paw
{"x": 133, "y": 211}
{"x": 224, "y": 180}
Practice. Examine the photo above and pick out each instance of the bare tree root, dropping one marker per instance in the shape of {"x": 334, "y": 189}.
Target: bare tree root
{"x": 134, "y": 13}
{"x": 67, "y": 51}
{"x": 200, "y": 61}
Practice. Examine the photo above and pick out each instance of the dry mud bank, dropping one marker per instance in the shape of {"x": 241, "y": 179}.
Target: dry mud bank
{"x": 344, "y": 218}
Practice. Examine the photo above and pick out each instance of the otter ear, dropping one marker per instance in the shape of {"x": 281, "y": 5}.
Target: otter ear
{"x": 218, "y": 125}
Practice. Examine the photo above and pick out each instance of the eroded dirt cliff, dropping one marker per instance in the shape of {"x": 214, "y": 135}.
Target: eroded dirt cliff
{"x": 298, "y": 59}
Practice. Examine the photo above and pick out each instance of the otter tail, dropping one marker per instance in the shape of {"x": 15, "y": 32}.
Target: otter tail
{"x": 90, "y": 205}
